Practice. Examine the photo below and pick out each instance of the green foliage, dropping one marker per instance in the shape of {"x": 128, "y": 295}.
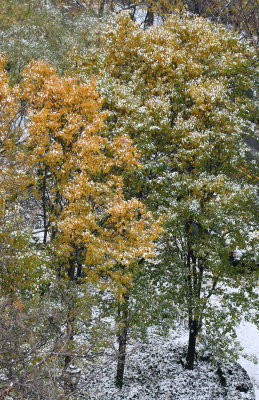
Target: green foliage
{"x": 180, "y": 91}
{"x": 39, "y": 30}
{"x": 21, "y": 266}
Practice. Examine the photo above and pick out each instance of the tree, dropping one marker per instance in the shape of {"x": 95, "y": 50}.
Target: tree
{"x": 96, "y": 235}
{"x": 91, "y": 234}
{"x": 180, "y": 90}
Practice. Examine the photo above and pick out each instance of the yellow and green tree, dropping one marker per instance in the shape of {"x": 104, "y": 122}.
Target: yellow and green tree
{"x": 95, "y": 234}
{"x": 78, "y": 173}
{"x": 182, "y": 91}
{"x": 91, "y": 232}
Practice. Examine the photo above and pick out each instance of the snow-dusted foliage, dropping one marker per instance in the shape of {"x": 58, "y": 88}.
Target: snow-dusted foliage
{"x": 133, "y": 129}
{"x": 40, "y": 30}
{"x": 180, "y": 90}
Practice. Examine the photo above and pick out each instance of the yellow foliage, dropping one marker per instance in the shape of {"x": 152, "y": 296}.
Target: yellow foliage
{"x": 88, "y": 211}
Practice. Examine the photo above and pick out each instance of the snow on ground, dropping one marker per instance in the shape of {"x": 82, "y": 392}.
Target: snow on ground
{"x": 248, "y": 335}
{"x": 154, "y": 371}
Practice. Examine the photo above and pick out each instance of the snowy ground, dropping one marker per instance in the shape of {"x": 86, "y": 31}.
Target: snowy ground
{"x": 248, "y": 336}
{"x": 154, "y": 372}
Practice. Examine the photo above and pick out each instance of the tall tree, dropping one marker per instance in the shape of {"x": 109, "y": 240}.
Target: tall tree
{"x": 95, "y": 233}
{"x": 76, "y": 172}
{"x": 180, "y": 90}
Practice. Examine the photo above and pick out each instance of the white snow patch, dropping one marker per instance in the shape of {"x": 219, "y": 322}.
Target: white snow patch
{"x": 248, "y": 335}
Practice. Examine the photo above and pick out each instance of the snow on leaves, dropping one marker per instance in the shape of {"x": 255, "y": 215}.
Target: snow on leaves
{"x": 88, "y": 210}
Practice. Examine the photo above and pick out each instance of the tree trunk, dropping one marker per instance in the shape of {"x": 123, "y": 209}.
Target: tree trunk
{"x": 101, "y": 8}
{"x": 71, "y": 269}
{"x": 193, "y": 331}
{"x": 44, "y": 205}
{"x": 70, "y": 336}
{"x": 122, "y": 338}
{"x": 122, "y": 357}
{"x": 79, "y": 271}
{"x": 149, "y": 20}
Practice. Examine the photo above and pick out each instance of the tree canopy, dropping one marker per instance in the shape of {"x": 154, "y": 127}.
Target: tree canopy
{"x": 180, "y": 90}
{"x": 125, "y": 173}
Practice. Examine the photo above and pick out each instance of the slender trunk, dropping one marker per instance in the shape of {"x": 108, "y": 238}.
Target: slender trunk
{"x": 122, "y": 339}
{"x": 193, "y": 331}
{"x": 70, "y": 334}
{"x": 101, "y": 8}
{"x": 122, "y": 357}
{"x": 149, "y": 20}
{"x": 56, "y": 210}
{"x": 44, "y": 205}
{"x": 69, "y": 339}
{"x": 196, "y": 8}
{"x": 79, "y": 271}
{"x": 194, "y": 287}
{"x": 71, "y": 270}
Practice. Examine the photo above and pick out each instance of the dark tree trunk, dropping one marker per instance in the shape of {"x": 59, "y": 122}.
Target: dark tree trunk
{"x": 122, "y": 357}
{"x": 71, "y": 270}
{"x": 101, "y": 8}
{"x": 69, "y": 338}
{"x": 122, "y": 339}
{"x": 196, "y": 7}
{"x": 194, "y": 280}
{"x": 44, "y": 205}
{"x": 79, "y": 271}
{"x": 149, "y": 20}
{"x": 193, "y": 331}
{"x": 68, "y": 360}
{"x": 75, "y": 264}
